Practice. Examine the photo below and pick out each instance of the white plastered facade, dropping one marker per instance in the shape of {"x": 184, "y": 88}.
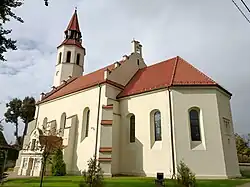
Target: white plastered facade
{"x": 212, "y": 157}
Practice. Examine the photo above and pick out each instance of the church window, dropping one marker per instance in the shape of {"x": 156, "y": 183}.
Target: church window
{"x": 227, "y": 126}
{"x": 157, "y": 125}
{"x": 33, "y": 143}
{"x": 68, "y": 56}
{"x": 194, "y": 117}
{"x": 132, "y": 128}
{"x": 59, "y": 58}
{"x": 87, "y": 124}
{"x": 62, "y": 124}
{"x": 45, "y": 123}
{"x": 78, "y": 59}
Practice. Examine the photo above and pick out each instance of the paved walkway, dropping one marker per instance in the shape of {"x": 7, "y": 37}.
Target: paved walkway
{"x": 13, "y": 175}
{"x": 244, "y": 185}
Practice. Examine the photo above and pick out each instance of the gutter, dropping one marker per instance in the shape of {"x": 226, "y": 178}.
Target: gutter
{"x": 97, "y": 120}
{"x": 171, "y": 133}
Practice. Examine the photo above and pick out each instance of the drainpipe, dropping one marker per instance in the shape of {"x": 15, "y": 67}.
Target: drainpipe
{"x": 97, "y": 121}
{"x": 37, "y": 115}
{"x": 171, "y": 132}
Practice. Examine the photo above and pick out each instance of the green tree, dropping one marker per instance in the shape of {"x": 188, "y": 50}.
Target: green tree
{"x": 27, "y": 112}
{"x": 58, "y": 164}
{"x": 12, "y": 114}
{"x": 6, "y": 14}
{"x": 242, "y": 144}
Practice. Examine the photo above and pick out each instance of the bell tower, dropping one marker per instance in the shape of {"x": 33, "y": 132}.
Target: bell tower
{"x": 70, "y": 53}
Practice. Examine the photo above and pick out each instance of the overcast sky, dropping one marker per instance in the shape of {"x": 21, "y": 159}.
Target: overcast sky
{"x": 210, "y": 34}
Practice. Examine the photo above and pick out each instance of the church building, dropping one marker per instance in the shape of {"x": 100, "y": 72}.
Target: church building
{"x": 137, "y": 119}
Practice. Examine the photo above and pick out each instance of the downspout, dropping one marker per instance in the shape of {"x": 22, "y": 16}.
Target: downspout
{"x": 97, "y": 120}
{"x": 171, "y": 133}
{"x": 37, "y": 115}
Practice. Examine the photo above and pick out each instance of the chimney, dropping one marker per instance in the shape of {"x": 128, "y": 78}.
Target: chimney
{"x": 41, "y": 96}
{"x": 136, "y": 47}
{"x": 106, "y": 73}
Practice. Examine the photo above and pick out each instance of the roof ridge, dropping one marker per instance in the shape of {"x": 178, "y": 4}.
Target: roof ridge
{"x": 198, "y": 71}
{"x": 174, "y": 70}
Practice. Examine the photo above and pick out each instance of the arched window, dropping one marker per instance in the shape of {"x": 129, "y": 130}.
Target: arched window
{"x": 45, "y": 122}
{"x": 62, "y": 124}
{"x": 68, "y": 56}
{"x": 157, "y": 125}
{"x": 132, "y": 128}
{"x": 194, "y": 117}
{"x": 78, "y": 59}
{"x": 87, "y": 124}
{"x": 59, "y": 57}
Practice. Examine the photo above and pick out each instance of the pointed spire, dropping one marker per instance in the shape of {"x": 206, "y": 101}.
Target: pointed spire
{"x": 74, "y": 24}
{"x": 73, "y": 35}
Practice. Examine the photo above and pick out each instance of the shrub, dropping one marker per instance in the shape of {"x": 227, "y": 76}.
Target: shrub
{"x": 94, "y": 176}
{"x": 58, "y": 165}
{"x": 184, "y": 176}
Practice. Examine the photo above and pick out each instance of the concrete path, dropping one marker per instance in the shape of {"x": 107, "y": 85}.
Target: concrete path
{"x": 13, "y": 175}
{"x": 244, "y": 185}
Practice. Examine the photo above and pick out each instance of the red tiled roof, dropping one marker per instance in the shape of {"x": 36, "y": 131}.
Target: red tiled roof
{"x": 80, "y": 83}
{"x": 71, "y": 42}
{"x": 74, "y": 24}
{"x": 173, "y": 72}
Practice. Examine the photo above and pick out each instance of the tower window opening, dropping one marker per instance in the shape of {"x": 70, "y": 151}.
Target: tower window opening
{"x": 78, "y": 59}
{"x": 68, "y": 56}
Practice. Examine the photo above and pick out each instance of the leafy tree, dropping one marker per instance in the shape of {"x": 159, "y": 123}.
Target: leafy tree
{"x": 94, "y": 176}
{"x": 16, "y": 109}
{"x": 58, "y": 165}
{"x": 27, "y": 112}
{"x": 242, "y": 146}
{"x": 6, "y": 13}
{"x": 12, "y": 114}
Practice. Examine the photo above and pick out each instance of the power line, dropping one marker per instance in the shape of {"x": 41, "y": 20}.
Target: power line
{"x": 241, "y": 11}
{"x": 245, "y": 5}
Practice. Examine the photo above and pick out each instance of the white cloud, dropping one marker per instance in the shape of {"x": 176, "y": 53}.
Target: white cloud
{"x": 212, "y": 35}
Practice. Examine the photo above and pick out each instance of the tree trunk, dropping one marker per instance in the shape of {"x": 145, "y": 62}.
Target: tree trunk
{"x": 16, "y": 134}
{"x": 43, "y": 169}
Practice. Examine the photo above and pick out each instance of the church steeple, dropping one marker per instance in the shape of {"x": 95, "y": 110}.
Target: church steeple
{"x": 73, "y": 35}
{"x": 71, "y": 53}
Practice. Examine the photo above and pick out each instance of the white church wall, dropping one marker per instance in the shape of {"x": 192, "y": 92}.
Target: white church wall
{"x": 75, "y": 104}
{"x": 212, "y": 164}
{"x": 228, "y": 138}
{"x": 142, "y": 157}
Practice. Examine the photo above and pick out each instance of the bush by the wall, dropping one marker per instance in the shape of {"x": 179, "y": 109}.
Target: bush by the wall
{"x": 58, "y": 164}
{"x": 94, "y": 176}
{"x": 185, "y": 177}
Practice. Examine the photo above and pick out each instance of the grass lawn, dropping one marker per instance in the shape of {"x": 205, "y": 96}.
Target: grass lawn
{"x": 73, "y": 181}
